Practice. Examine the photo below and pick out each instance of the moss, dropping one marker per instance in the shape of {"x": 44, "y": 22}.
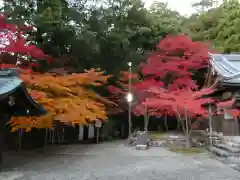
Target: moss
{"x": 158, "y": 136}
{"x": 191, "y": 150}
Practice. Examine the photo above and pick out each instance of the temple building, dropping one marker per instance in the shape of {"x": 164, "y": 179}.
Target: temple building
{"x": 15, "y": 101}
{"x": 224, "y": 76}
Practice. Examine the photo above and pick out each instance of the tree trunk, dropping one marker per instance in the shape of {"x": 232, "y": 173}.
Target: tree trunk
{"x": 165, "y": 122}
{"x": 187, "y": 135}
{"x": 178, "y": 125}
{"x": 146, "y": 118}
{"x": 210, "y": 125}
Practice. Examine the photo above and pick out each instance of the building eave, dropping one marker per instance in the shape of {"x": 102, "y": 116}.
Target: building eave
{"x": 10, "y": 85}
{"x": 227, "y": 66}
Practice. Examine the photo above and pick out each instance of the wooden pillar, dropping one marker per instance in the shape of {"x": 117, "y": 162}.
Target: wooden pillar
{"x": 1, "y": 141}
{"x": 81, "y": 132}
{"x": 53, "y": 136}
{"x": 85, "y": 132}
{"x": 19, "y": 139}
{"x": 236, "y": 126}
{"x": 46, "y": 137}
{"x": 3, "y": 120}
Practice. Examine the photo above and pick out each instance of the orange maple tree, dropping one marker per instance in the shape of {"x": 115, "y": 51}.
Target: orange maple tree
{"x": 66, "y": 98}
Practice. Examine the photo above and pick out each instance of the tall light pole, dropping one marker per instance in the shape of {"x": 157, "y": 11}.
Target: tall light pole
{"x": 129, "y": 99}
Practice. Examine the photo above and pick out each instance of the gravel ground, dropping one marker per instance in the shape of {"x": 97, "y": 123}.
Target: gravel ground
{"x": 113, "y": 161}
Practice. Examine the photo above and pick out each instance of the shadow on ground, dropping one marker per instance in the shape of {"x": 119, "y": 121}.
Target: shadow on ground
{"x": 14, "y": 159}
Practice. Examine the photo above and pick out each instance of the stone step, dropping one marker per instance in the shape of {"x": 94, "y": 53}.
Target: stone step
{"x": 157, "y": 143}
{"x": 227, "y": 147}
{"x": 219, "y": 152}
{"x": 222, "y": 153}
{"x": 234, "y": 139}
{"x": 232, "y": 144}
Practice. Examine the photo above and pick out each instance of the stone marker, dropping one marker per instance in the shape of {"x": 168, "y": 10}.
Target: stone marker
{"x": 143, "y": 140}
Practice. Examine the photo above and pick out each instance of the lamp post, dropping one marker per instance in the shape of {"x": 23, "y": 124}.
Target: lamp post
{"x": 129, "y": 99}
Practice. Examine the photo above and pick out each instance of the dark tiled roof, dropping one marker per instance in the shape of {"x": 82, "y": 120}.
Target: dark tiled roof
{"x": 10, "y": 83}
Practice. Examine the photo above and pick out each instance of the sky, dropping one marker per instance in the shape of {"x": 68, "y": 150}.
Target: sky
{"x": 182, "y": 6}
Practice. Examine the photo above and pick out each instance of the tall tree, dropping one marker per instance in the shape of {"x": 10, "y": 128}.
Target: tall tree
{"x": 165, "y": 20}
{"x": 202, "y": 5}
{"x": 103, "y": 34}
{"x": 174, "y": 63}
{"x": 211, "y": 26}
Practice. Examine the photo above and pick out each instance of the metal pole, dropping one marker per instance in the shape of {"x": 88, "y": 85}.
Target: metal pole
{"x": 130, "y": 102}
{"x": 210, "y": 126}
{"x": 145, "y": 118}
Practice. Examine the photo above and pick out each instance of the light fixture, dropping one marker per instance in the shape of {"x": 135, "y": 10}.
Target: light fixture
{"x": 130, "y": 64}
{"x": 129, "y": 97}
{"x": 11, "y": 101}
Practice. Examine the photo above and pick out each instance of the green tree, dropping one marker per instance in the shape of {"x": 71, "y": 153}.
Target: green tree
{"x": 203, "y": 5}
{"x": 105, "y": 34}
{"x": 218, "y": 25}
{"x": 165, "y": 20}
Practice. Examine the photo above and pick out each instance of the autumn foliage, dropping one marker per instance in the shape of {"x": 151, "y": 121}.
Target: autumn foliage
{"x": 119, "y": 92}
{"x": 167, "y": 85}
{"x": 16, "y": 48}
{"x": 175, "y": 61}
{"x": 189, "y": 105}
{"x": 68, "y": 98}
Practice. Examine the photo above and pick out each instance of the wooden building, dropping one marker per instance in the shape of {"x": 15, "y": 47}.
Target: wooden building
{"x": 15, "y": 101}
{"x": 224, "y": 75}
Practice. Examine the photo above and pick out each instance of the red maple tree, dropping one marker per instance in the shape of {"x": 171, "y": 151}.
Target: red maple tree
{"x": 141, "y": 93}
{"x": 16, "y": 49}
{"x": 168, "y": 80}
{"x": 139, "y": 90}
{"x": 120, "y": 90}
{"x": 175, "y": 61}
{"x": 188, "y": 106}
